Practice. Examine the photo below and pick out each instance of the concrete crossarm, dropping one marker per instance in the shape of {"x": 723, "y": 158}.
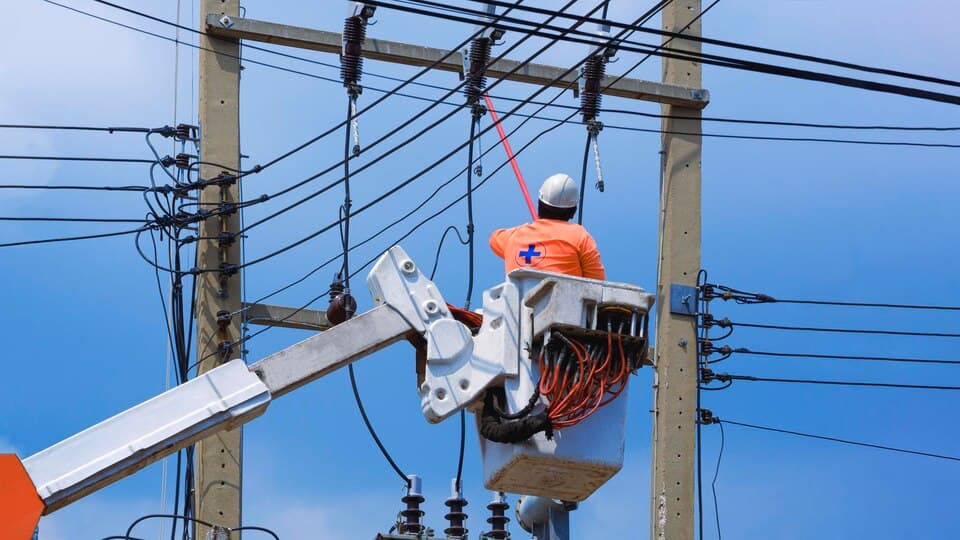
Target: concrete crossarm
{"x": 421, "y": 56}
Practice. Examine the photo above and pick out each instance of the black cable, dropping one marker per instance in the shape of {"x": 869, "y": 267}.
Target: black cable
{"x": 506, "y": 98}
{"x": 728, "y": 44}
{"x": 743, "y": 350}
{"x": 73, "y": 158}
{"x": 470, "y": 235}
{"x": 843, "y": 441}
{"x": 436, "y": 258}
{"x": 837, "y": 383}
{"x": 845, "y": 330}
{"x": 78, "y": 188}
{"x": 740, "y": 296}
{"x": 866, "y": 304}
{"x": 259, "y": 168}
{"x": 583, "y": 180}
{"x": 710, "y": 59}
{"x": 77, "y": 128}
{"x": 616, "y": 111}
{"x": 373, "y": 433}
{"x": 713, "y": 485}
{"x": 72, "y": 238}
{"x": 73, "y": 219}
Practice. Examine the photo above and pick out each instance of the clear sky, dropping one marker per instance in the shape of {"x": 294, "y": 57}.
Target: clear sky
{"x": 84, "y": 332}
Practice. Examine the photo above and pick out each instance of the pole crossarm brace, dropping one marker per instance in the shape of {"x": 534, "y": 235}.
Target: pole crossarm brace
{"x": 286, "y": 317}
{"x": 419, "y": 55}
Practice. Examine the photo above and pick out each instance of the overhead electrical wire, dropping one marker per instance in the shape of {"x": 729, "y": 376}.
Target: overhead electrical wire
{"x": 79, "y": 158}
{"x": 729, "y": 323}
{"x": 75, "y": 188}
{"x": 705, "y": 58}
{"x": 726, "y": 293}
{"x": 72, "y": 238}
{"x": 614, "y": 111}
{"x": 750, "y": 378}
{"x": 454, "y": 50}
{"x": 744, "y": 350}
{"x": 76, "y": 128}
{"x": 842, "y": 441}
{"x": 72, "y": 219}
{"x": 728, "y": 44}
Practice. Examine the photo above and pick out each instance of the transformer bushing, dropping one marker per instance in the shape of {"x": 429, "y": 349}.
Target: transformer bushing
{"x": 498, "y": 518}
{"x": 456, "y": 516}
{"x": 412, "y": 513}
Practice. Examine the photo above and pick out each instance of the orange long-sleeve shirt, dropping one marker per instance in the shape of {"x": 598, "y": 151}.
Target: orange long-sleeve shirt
{"x": 550, "y": 245}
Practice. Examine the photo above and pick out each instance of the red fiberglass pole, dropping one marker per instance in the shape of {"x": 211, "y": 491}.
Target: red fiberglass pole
{"x": 513, "y": 159}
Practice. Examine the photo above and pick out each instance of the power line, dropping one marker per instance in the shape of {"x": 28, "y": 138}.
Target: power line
{"x": 614, "y": 111}
{"x": 72, "y": 158}
{"x": 73, "y": 219}
{"x": 842, "y": 441}
{"x": 727, "y": 323}
{"x": 728, "y": 44}
{"x": 77, "y": 128}
{"x": 726, "y": 293}
{"x": 744, "y": 350}
{"x": 77, "y": 188}
{"x": 423, "y": 71}
{"x": 72, "y": 238}
{"x": 711, "y": 59}
{"x": 727, "y": 377}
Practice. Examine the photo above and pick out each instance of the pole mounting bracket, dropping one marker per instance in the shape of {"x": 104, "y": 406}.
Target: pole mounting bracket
{"x": 683, "y": 299}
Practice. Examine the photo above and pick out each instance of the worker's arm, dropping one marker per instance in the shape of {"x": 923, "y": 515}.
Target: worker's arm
{"x": 590, "y": 263}
{"x": 498, "y": 239}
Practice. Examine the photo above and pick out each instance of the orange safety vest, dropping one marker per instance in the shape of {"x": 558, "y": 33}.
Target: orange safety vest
{"x": 550, "y": 245}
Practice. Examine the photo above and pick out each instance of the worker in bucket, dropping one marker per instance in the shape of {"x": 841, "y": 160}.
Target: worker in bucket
{"x": 551, "y": 243}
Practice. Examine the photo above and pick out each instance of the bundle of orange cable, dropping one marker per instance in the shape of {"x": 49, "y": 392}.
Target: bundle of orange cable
{"x": 578, "y": 379}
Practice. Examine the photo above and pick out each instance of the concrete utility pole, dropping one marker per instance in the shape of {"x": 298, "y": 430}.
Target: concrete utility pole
{"x": 218, "y": 458}
{"x": 675, "y": 389}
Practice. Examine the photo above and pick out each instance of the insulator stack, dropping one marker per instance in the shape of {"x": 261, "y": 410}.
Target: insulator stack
{"x": 412, "y": 513}
{"x": 183, "y": 161}
{"x": 351, "y": 61}
{"x": 477, "y": 75}
{"x": 590, "y": 97}
{"x": 456, "y": 516}
{"x": 498, "y": 518}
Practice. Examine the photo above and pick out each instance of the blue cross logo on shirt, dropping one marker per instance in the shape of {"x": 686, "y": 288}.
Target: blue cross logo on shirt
{"x": 530, "y": 253}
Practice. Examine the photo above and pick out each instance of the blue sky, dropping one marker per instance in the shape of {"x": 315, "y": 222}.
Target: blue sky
{"x": 84, "y": 329}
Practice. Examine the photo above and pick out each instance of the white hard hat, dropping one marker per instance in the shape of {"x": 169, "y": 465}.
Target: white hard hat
{"x": 559, "y": 191}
